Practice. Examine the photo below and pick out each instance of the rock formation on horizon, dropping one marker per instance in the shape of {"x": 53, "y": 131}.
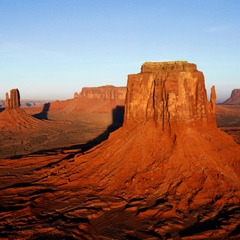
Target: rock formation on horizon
{"x": 13, "y": 116}
{"x": 13, "y": 101}
{"x": 234, "y": 98}
{"x": 108, "y": 92}
{"x": 102, "y": 99}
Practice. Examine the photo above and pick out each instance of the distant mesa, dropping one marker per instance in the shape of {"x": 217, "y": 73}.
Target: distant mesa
{"x": 93, "y": 100}
{"x": 108, "y": 92}
{"x": 234, "y": 98}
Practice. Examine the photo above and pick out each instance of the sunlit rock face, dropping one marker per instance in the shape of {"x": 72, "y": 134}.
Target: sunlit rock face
{"x": 169, "y": 93}
{"x": 13, "y": 101}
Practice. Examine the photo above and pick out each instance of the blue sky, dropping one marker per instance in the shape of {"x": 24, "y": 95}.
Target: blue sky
{"x": 50, "y": 49}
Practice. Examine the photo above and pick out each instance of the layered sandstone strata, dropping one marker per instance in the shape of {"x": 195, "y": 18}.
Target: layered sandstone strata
{"x": 169, "y": 93}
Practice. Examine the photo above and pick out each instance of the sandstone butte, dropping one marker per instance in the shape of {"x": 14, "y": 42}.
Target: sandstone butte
{"x": 167, "y": 173}
{"x": 234, "y": 98}
{"x": 93, "y": 99}
{"x": 107, "y": 92}
{"x": 13, "y": 116}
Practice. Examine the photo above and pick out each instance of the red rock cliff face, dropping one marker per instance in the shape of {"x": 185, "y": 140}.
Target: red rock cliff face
{"x": 169, "y": 93}
{"x": 108, "y": 92}
{"x": 13, "y": 101}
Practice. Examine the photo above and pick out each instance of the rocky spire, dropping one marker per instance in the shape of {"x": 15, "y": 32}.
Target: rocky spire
{"x": 170, "y": 94}
{"x": 13, "y": 101}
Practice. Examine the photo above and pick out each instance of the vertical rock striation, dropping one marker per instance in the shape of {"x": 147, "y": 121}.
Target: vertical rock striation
{"x": 170, "y": 94}
{"x": 13, "y": 101}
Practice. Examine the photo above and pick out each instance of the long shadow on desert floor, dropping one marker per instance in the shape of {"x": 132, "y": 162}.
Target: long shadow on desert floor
{"x": 117, "y": 122}
{"x": 43, "y": 115}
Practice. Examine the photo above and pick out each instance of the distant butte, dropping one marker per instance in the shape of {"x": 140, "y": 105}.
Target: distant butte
{"x": 13, "y": 102}
{"x": 234, "y": 98}
{"x": 13, "y": 116}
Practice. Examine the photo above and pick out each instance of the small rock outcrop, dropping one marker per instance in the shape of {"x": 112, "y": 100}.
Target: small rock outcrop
{"x": 234, "y": 98}
{"x": 13, "y": 101}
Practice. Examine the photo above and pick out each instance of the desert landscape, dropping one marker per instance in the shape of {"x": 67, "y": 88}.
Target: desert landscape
{"x": 151, "y": 160}
{"x": 62, "y": 124}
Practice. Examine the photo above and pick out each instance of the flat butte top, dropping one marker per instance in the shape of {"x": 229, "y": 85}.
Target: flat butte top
{"x": 179, "y": 66}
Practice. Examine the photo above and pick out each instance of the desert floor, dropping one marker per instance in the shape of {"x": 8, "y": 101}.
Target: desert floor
{"x": 78, "y": 131}
{"x": 40, "y": 194}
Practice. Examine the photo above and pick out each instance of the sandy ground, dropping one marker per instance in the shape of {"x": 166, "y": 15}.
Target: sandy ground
{"x": 70, "y": 130}
{"x": 59, "y": 131}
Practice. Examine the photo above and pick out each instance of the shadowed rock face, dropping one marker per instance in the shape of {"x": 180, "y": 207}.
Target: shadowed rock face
{"x": 13, "y": 101}
{"x": 170, "y": 94}
{"x": 234, "y": 98}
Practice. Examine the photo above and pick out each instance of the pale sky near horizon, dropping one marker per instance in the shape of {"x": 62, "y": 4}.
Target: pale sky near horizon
{"x": 50, "y": 49}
